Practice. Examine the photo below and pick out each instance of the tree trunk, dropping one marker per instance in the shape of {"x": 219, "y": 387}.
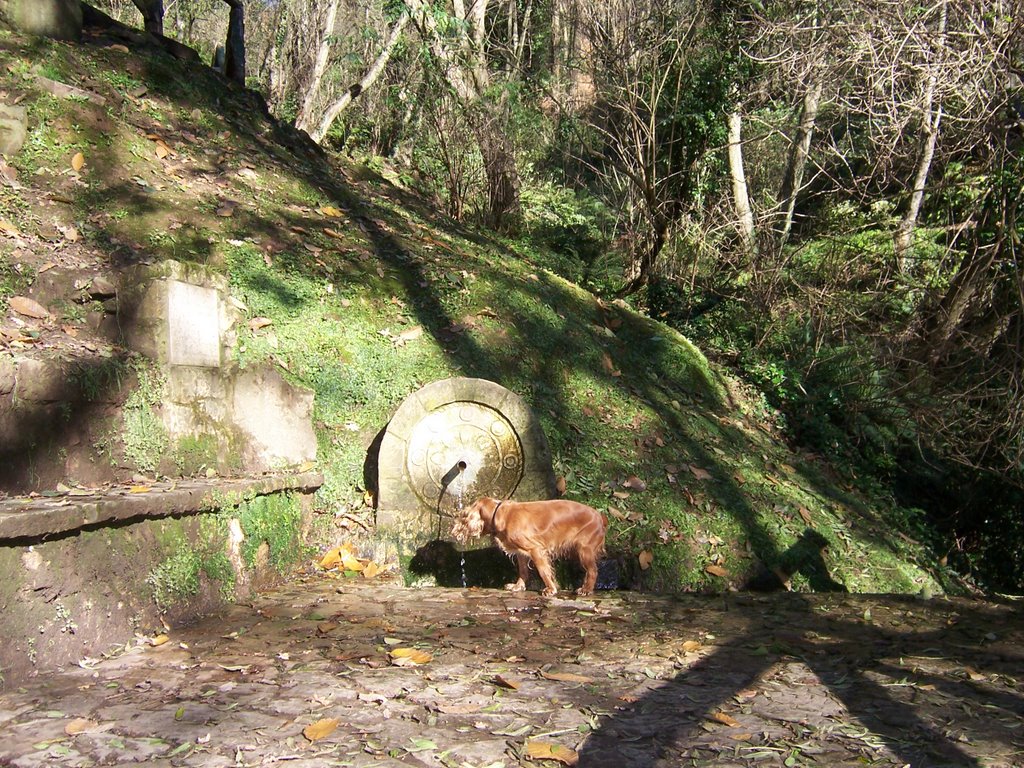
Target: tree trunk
{"x": 356, "y": 89}
{"x": 234, "y": 47}
{"x": 500, "y": 170}
{"x": 152, "y": 15}
{"x": 930, "y": 119}
{"x": 643, "y": 265}
{"x": 305, "y": 117}
{"x": 740, "y": 194}
{"x": 800, "y": 150}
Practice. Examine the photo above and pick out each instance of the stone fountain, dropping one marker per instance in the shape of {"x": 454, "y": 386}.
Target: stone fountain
{"x": 450, "y": 443}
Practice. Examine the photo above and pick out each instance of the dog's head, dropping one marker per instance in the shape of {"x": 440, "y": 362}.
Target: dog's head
{"x": 470, "y": 522}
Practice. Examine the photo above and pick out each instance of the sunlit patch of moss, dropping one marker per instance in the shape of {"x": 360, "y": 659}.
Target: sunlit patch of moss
{"x": 177, "y": 577}
{"x": 144, "y": 436}
{"x": 276, "y": 520}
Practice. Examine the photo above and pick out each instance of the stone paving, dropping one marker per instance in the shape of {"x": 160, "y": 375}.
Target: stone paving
{"x": 364, "y": 672}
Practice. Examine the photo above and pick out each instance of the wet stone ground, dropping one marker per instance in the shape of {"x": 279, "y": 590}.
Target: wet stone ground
{"x": 359, "y": 672}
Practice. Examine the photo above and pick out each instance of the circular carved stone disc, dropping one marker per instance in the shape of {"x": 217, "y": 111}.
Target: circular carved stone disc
{"x": 474, "y": 434}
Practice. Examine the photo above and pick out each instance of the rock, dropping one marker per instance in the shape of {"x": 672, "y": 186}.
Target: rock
{"x": 13, "y": 129}
{"x": 65, "y": 91}
{"x": 58, "y": 19}
{"x": 102, "y": 288}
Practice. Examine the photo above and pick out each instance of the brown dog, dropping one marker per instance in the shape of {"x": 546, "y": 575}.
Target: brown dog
{"x": 538, "y": 531}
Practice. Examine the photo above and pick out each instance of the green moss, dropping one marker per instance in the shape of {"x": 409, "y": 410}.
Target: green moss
{"x": 217, "y": 567}
{"x": 144, "y": 437}
{"x": 276, "y": 520}
{"x": 176, "y": 578}
{"x": 194, "y": 453}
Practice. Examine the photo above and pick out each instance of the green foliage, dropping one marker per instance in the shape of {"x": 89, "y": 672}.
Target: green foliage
{"x": 13, "y": 280}
{"x": 177, "y": 577}
{"x": 143, "y": 433}
{"x": 194, "y": 453}
{"x": 573, "y": 225}
{"x": 275, "y": 520}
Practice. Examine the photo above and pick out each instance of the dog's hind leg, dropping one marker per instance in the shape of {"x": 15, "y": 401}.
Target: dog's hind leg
{"x": 547, "y": 573}
{"x": 588, "y": 559}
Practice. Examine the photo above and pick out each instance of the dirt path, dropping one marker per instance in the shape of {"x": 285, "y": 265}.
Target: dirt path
{"x": 624, "y": 679}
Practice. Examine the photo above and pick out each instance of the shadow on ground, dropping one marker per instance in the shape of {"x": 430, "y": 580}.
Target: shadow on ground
{"x": 622, "y": 679}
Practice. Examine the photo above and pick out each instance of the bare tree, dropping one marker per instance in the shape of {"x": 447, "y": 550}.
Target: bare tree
{"x": 304, "y": 119}
{"x": 659, "y": 70}
{"x": 152, "y": 15}
{"x": 741, "y": 197}
{"x": 931, "y": 118}
{"x": 355, "y": 90}
{"x": 234, "y": 46}
{"x": 460, "y": 55}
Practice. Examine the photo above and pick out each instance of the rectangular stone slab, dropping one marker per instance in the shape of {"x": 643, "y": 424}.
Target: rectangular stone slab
{"x": 41, "y": 516}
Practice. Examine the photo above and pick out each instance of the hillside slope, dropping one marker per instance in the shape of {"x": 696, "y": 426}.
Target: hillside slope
{"x": 363, "y": 292}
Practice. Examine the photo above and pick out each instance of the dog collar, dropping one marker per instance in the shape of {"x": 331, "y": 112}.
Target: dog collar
{"x": 495, "y": 513}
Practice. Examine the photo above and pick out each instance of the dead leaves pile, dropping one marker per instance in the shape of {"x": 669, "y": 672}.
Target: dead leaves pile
{"x": 343, "y": 559}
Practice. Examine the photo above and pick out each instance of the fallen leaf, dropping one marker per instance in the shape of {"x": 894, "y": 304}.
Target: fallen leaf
{"x": 635, "y": 483}
{"x": 321, "y": 728}
{"x": 503, "y": 682}
{"x": 547, "y": 750}
{"x": 410, "y": 334}
{"x": 119, "y": 48}
{"x": 566, "y": 677}
{"x": 225, "y": 210}
{"x": 717, "y": 570}
{"x": 330, "y": 559}
{"x": 80, "y": 725}
{"x": 161, "y": 149}
{"x": 721, "y": 717}
{"x": 259, "y": 322}
{"x": 646, "y": 558}
{"x": 691, "y": 646}
{"x": 159, "y": 640}
{"x": 805, "y": 515}
{"x": 409, "y": 657}
{"x": 140, "y": 489}
{"x": 78, "y": 161}
{"x": 331, "y": 211}
{"x": 371, "y": 570}
{"x": 9, "y": 229}
{"x": 326, "y": 627}
{"x": 422, "y": 745}
{"x": 350, "y": 563}
{"x": 700, "y": 474}
{"x": 28, "y": 307}
{"x": 560, "y": 485}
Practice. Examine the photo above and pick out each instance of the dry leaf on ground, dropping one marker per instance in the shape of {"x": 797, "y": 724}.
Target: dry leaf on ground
{"x": 721, "y": 717}
{"x": 28, "y": 307}
{"x": 80, "y": 725}
{"x": 547, "y": 750}
{"x": 321, "y": 728}
{"x": 567, "y": 677}
{"x": 409, "y": 657}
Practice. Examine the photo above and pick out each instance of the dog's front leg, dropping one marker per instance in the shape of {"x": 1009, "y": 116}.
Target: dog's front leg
{"x": 547, "y": 573}
{"x": 523, "y": 566}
